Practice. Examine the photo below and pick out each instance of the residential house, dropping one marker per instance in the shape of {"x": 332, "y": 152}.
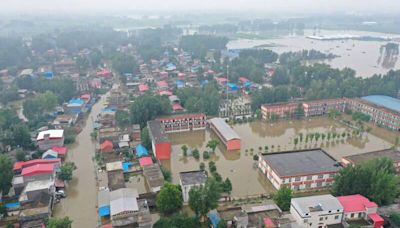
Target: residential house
{"x": 357, "y": 159}
{"x": 49, "y": 138}
{"x": 154, "y": 177}
{"x": 161, "y": 146}
{"x": 191, "y": 179}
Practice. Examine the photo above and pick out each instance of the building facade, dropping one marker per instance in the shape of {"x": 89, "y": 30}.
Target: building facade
{"x": 50, "y": 138}
{"x": 225, "y": 133}
{"x": 190, "y": 179}
{"x": 280, "y": 110}
{"x": 160, "y": 143}
{"x": 300, "y": 170}
{"x": 323, "y": 107}
{"x": 187, "y": 122}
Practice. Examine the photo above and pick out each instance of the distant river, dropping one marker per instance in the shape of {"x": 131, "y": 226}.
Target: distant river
{"x": 362, "y": 56}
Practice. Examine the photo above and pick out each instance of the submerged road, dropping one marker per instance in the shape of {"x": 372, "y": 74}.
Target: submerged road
{"x": 81, "y": 201}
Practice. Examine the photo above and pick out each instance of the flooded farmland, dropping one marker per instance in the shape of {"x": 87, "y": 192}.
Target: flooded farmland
{"x": 239, "y": 166}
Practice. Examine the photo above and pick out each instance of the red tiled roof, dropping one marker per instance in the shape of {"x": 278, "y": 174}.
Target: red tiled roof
{"x": 220, "y": 79}
{"x": 61, "y": 150}
{"x": 166, "y": 93}
{"x": 106, "y": 145}
{"x": 176, "y": 107}
{"x": 376, "y": 218}
{"x": 355, "y": 203}
{"x": 143, "y": 88}
{"x": 85, "y": 96}
{"x": 20, "y": 165}
{"x": 38, "y": 169}
{"x": 145, "y": 161}
{"x": 162, "y": 84}
{"x": 243, "y": 79}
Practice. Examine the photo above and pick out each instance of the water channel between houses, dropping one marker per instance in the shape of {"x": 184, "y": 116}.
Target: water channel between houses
{"x": 240, "y": 167}
{"x": 81, "y": 201}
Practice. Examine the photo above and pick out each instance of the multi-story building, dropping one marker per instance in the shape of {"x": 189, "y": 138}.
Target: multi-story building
{"x": 383, "y": 110}
{"x": 281, "y": 110}
{"x": 316, "y": 211}
{"x": 191, "y": 179}
{"x": 322, "y": 107}
{"x": 50, "y": 138}
{"x": 393, "y": 154}
{"x": 300, "y": 170}
{"x": 160, "y": 143}
{"x": 186, "y": 122}
{"x": 226, "y": 134}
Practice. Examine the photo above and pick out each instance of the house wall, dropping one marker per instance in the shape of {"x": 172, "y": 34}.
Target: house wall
{"x": 185, "y": 191}
{"x": 37, "y": 177}
{"x": 46, "y": 144}
{"x": 233, "y": 144}
{"x": 317, "y": 218}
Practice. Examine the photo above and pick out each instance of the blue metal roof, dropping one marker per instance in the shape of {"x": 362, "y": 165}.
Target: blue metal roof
{"x": 104, "y": 211}
{"x": 141, "y": 151}
{"x": 179, "y": 82}
{"x": 232, "y": 86}
{"x": 76, "y": 101}
{"x": 13, "y": 204}
{"x": 214, "y": 218}
{"x": 384, "y": 101}
{"x": 126, "y": 165}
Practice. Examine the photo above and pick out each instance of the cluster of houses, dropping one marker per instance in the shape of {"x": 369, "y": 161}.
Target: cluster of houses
{"x": 35, "y": 185}
{"x": 383, "y": 110}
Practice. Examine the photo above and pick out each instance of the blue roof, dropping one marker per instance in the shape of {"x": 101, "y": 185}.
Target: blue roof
{"x": 76, "y": 101}
{"x": 232, "y": 86}
{"x": 179, "y": 82}
{"x": 141, "y": 151}
{"x": 13, "y": 204}
{"x": 248, "y": 84}
{"x": 48, "y": 74}
{"x": 214, "y": 218}
{"x": 104, "y": 211}
{"x": 384, "y": 101}
{"x": 126, "y": 165}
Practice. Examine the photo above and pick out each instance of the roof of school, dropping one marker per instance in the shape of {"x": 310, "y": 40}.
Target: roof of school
{"x": 384, "y": 101}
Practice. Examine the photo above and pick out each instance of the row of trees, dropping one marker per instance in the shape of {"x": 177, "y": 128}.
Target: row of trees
{"x": 13, "y": 131}
{"x": 198, "y": 45}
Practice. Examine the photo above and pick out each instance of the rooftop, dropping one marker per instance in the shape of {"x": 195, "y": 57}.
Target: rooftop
{"x": 355, "y": 203}
{"x": 103, "y": 198}
{"x": 384, "y": 101}
{"x": 52, "y": 134}
{"x": 305, "y": 205}
{"x": 224, "y": 129}
{"x": 38, "y": 185}
{"x": 23, "y": 164}
{"x": 193, "y": 177}
{"x": 157, "y": 133}
{"x": 153, "y": 175}
{"x": 112, "y": 166}
{"x": 303, "y": 162}
{"x": 37, "y": 169}
{"x": 388, "y": 153}
{"x": 124, "y": 199}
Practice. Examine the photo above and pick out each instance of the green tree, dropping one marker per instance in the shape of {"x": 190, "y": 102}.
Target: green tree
{"x": 122, "y": 118}
{"x": 169, "y": 199}
{"x": 206, "y": 155}
{"x": 212, "y": 167}
{"x": 374, "y": 179}
{"x": 123, "y": 63}
{"x": 196, "y": 153}
{"x": 202, "y": 166}
{"x": 145, "y": 138}
{"x": 177, "y": 221}
{"x": 6, "y": 173}
{"x": 295, "y": 141}
{"x": 212, "y": 144}
{"x": 205, "y": 197}
{"x": 65, "y": 222}
{"x": 227, "y": 186}
{"x": 283, "y": 197}
{"x": 148, "y": 107}
{"x": 66, "y": 171}
{"x": 21, "y": 136}
{"x": 184, "y": 150}
{"x": 167, "y": 174}
{"x": 20, "y": 155}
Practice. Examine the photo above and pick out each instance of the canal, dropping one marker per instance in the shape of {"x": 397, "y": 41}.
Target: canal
{"x": 81, "y": 201}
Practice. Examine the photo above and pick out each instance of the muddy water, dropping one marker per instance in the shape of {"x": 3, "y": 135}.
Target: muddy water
{"x": 239, "y": 166}
{"x": 80, "y": 205}
{"x": 362, "y": 56}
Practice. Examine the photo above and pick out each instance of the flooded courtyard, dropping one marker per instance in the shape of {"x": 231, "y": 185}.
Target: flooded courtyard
{"x": 240, "y": 167}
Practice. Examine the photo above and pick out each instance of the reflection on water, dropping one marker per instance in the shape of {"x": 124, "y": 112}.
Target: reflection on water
{"x": 239, "y": 166}
{"x": 362, "y": 56}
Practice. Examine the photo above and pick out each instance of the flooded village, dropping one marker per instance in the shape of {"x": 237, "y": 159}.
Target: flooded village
{"x": 131, "y": 130}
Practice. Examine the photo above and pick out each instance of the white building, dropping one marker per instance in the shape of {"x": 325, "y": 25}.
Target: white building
{"x": 316, "y": 211}
{"x": 50, "y": 138}
{"x": 191, "y": 179}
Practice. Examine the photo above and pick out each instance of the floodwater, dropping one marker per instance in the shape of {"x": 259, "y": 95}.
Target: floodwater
{"x": 239, "y": 166}
{"x": 81, "y": 201}
{"x": 362, "y": 56}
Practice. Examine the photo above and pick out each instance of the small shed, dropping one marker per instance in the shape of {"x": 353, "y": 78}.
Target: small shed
{"x": 141, "y": 150}
{"x": 106, "y": 147}
{"x": 145, "y": 161}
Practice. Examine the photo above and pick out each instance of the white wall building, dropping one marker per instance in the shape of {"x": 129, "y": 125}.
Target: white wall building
{"x": 191, "y": 179}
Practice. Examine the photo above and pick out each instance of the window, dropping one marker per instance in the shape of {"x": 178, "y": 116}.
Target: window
{"x": 309, "y": 177}
{"x": 297, "y": 179}
{"x": 352, "y": 215}
{"x": 320, "y": 176}
{"x": 319, "y": 184}
{"x": 336, "y": 217}
{"x": 332, "y": 175}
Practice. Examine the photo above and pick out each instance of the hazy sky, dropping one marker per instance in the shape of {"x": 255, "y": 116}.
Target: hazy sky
{"x": 347, "y": 6}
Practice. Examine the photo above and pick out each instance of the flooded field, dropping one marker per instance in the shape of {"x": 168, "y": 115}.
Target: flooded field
{"x": 239, "y": 166}
{"x": 81, "y": 201}
{"x": 363, "y": 56}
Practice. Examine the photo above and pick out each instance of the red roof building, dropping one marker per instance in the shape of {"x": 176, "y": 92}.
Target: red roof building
{"x": 145, "y": 161}
{"x": 104, "y": 73}
{"x": 86, "y": 96}
{"x": 18, "y": 166}
{"x": 143, "y": 88}
{"x": 165, "y": 93}
{"x": 221, "y": 80}
{"x": 61, "y": 150}
{"x": 106, "y": 147}
{"x": 358, "y": 207}
{"x": 243, "y": 79}
{"x": 38, "y": 169}
{"x": 162, "y": 84}
{"x": 176, "y": 107}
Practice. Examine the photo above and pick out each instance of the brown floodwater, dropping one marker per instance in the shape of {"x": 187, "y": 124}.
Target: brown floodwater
{"x": 239, "y": 166}
{"x": 81, "y": 201}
